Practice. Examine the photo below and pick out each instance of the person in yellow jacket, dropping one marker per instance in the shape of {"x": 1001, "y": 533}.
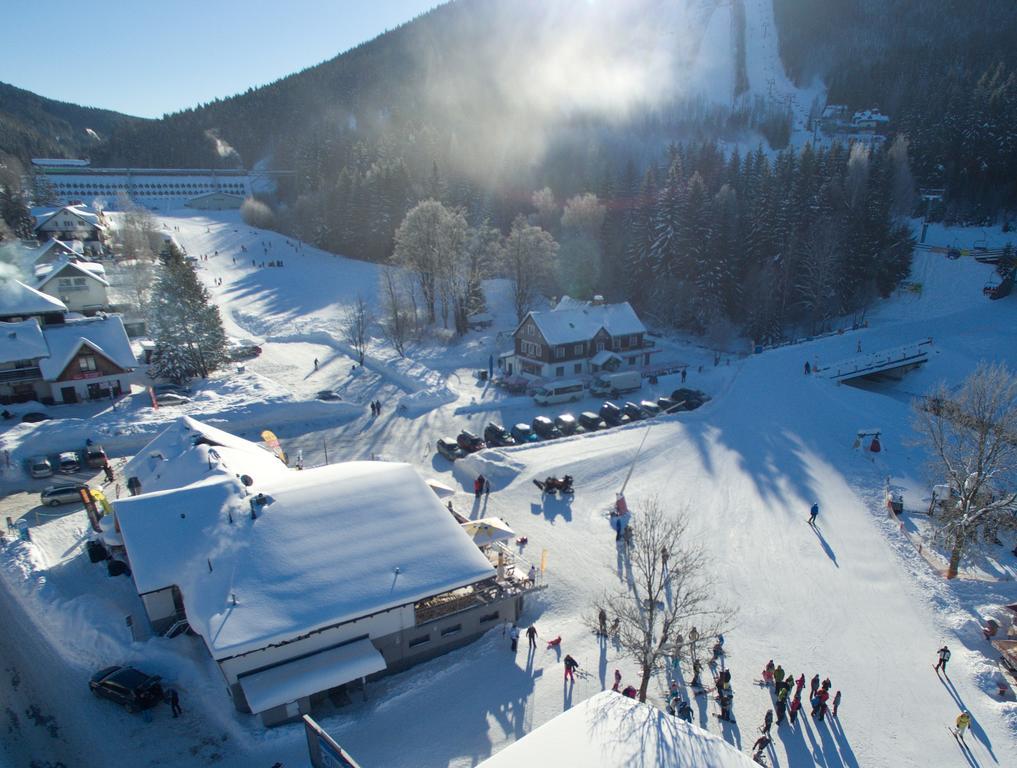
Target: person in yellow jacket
{"x": 963, "y": 721}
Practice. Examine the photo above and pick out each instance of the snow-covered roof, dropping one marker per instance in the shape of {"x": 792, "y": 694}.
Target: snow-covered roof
{"x": 82, "y": 212}
{"x": 59, "y": 161}
{"x": 65, "y": 266}
{"x": 53, "y": 249}
{"x": 609, "y": 730}
{"x": 172, "y": 461}
{"x": 581, "y": 323}
{"x": 16, "y": 298}
{"x": 330, "y": 544}
{"x": 105, "y": 335}
{"x": 22, "y": 341}
{"x": 603, "y": 356}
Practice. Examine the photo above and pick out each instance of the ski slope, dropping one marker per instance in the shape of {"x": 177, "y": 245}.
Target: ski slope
{"x": 849, "y": 599}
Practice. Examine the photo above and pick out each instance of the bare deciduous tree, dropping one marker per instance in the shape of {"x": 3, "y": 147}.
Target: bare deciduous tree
{"x": 972, "y": 438}
{"x": 666, "y": 595}
{"x": 399, "y": 320}
{"x": 528, "y": 256}
{"x": 354, "y": 327}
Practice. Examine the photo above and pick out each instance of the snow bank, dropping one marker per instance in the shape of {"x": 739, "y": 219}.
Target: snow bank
{"x": 494, "y": 464}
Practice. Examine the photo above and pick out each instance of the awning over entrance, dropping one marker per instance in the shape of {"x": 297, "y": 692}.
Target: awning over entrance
{"x": 311, "y": 674}
{"x": 603, "y": 357}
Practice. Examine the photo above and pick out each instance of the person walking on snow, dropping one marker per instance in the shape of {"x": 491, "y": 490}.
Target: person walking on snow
{"x": 571, "y": 665}
{"x": 944, "y": 656}
{"x": 531, "y": 635}
{"x": 108, "y": 470}
{"x": 617, "y": 680}
{"x": 778, "y": 676}
{"x": 836, "y": 704}
{"x": 963, "y": 721}
{"x": 602, "y": 620}
{"x": 315, "y": 363}
{"x": 767, "y": 723}
{"x": 768, "y": 672}
{"x": 796, "y": 704}
{"x": 808, "y": 368}
{"x": 814, "y": 686}
{"x": 781, "y": 710}
{"x": 478, "y": 484}
{"x": 174, "y": 701}
{"x": 799, "y": 684}
{"x": 813, "y": 513}
{"x": 514, "y": 635}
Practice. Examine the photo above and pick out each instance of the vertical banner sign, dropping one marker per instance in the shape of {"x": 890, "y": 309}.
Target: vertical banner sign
{"x": 272, "y": 442}
{"x": 155, "y": 401}
{"x": 543, "y": 560}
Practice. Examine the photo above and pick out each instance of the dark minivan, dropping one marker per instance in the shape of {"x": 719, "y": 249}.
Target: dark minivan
{"x": 127, "y": 686}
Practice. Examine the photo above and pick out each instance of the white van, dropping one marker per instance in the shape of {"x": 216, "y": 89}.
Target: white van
{"x": 616, "y": 383}
{"x": 559, "y": 392}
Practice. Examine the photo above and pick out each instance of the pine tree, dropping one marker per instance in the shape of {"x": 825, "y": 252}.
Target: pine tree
{"x": 185, "y": 325}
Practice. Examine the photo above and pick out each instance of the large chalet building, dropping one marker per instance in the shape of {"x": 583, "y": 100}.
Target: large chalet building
{"x": 576, "y": 339}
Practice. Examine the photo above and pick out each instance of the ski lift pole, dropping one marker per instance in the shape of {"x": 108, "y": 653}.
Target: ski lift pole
{"x": 646, "y": 434}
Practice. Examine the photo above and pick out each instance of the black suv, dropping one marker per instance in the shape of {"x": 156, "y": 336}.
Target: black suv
{"x": 127, "y": 686}
{"x": 612, "y": 415}
{"x": 590, "y": 421}
{"x": 633, "y": 411}
{"x": 496, "y": 435}
{"x": 566, "y": 424}
{"x": 545, "y": 428}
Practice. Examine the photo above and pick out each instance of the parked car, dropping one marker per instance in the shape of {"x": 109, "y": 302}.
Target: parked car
{"x": 39, "y": 466}
{"x": 469, "y": 442}
{"x": 242, "y": 350}
{"x": 522, "y": 433}
{"x": 328, "y": 394}
{"x": 566, "y": 424}
{"x": 68, "y": 462}
{"x": 55, "y": 495}
{"x": 131, "y": 688}
{"x": 612, "y": 415}
{"x": 34, "y": 417}
{"x": 496, "y": 435}
{"x": 95, "y": 456}
{"x": 545, "y": 428}
{"x": 633, "y": 411}
{"x": 449, "y": 448}
{"x": 692, "y": 398}
{"x": 172, "y": 398}
{"x": 666, "y": 404}
{"x": 650, "y": 407}
{"x": 591, "y": 422}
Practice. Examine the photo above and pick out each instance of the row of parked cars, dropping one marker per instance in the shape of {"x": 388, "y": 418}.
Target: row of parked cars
{"x": 563, "y": 425}
{"x": 68, "y": 462}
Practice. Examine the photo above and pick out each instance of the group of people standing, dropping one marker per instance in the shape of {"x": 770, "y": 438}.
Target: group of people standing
{"x": 788, "y": 696}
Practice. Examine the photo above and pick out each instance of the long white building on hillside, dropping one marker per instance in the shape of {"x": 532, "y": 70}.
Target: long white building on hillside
{"x": 162, "y": 188}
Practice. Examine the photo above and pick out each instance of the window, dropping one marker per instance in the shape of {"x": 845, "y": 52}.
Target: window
{"x": 454, "y": 629}
{"x": 79, "y": 281}
{"x": 559, "y": 371}
{"x": 420, "y": 640}
{"x": 632, "y": 360}
{"x": 86, "y": 363}
{"x": 577, "y": 349}
{"x": 489, "y": 617}
{"x": 577, "y": 368}
{"x": 559, "y": 353}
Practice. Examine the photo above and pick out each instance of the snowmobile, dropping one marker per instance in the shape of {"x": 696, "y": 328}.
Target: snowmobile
{"x": 552, "y": 484}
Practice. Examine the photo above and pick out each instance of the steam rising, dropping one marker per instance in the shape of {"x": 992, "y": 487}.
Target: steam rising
{"x": 222, "y": 147}
{"x": 517, "y": 83}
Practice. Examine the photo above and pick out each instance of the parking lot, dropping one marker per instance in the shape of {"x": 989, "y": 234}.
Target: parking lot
{"x": 25, "y": 503}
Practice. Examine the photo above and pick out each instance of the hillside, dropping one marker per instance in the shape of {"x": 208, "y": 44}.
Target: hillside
{"x": 34, "y": 126}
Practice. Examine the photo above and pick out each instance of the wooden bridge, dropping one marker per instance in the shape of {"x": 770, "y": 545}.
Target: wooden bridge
{"x": 893, "y": 362}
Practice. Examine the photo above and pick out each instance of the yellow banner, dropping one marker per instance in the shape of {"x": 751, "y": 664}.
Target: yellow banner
{"x": 543, "y": 560}
{"x": 272, "y": 442}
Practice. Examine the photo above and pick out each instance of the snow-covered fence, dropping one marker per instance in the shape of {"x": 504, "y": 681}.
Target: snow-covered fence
{"x": 906, "y": 356}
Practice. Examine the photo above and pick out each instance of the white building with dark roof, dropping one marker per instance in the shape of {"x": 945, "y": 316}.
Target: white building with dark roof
{"x": 578, "y": 338}
{"x": 70, "y": 222}
{"x": 19, "y": 301}
{"x": 300, "y": 582}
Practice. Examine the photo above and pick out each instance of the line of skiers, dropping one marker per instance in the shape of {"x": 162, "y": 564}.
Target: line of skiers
{"x": 788, "y": 696}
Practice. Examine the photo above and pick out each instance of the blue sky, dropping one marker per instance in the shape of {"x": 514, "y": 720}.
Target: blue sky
{"x": 148, "y": 58}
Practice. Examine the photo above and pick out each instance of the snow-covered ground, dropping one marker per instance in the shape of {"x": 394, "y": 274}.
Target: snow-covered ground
{"x": 851, "y": 599}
